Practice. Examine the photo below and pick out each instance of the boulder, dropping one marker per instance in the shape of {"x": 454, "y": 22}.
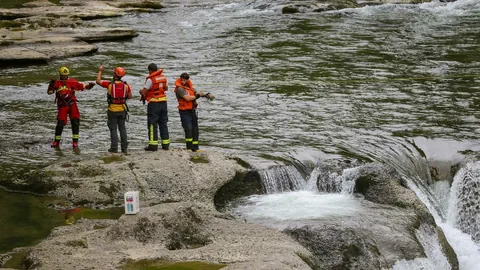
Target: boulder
{"x": 384, "y": 185}
{"x": 168, "y": 232}
{"x": 38, "y": 3}
{"x": 23, "y": 27}
{"x": 163, "y": 176}
{"x": 374, "y": 239}
{"x": 43, "y": 49}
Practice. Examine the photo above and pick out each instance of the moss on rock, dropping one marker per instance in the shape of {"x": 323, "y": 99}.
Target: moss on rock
{"x": 10, "y": 24}
{"x": 77, "y": 243}
{"x": 90, "y": 171}
{"x": 142, "y": 5}
{"x": 160, "y": 264}
{"x": 289, "y": 10}
{"x": 448, "y": 250}
{"x": 112, "y": 158}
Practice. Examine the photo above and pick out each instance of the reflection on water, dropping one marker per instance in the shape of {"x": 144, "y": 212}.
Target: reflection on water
{"x": 25, "y": 219}
{"x": 283, "y": 81}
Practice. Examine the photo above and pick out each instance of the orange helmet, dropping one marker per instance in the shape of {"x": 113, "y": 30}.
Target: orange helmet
{"x": 119, "y": 71}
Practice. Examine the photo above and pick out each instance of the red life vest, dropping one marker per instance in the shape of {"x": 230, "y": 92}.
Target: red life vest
{"x": 118, "y": 93}
{"x": 183, "y": 104}
{"x": 157, "y": 92}
{"x": 65, "y": 91}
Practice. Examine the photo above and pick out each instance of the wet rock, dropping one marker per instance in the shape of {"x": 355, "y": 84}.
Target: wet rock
{"x": 39, "y": 3}
{"x": 94, "y": 181}
{"x": 151, "y": 233}
{"x": 243, "y": 184}
{"x": 374, "y": 239}
{"x": 331, "y": 174}
{"x": 44, "y": 49}
{"x": 382, "y": 184}
{"x": 44, "y": 20}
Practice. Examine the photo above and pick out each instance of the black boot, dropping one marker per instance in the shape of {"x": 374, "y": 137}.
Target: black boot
{"x": 151, "y": 148}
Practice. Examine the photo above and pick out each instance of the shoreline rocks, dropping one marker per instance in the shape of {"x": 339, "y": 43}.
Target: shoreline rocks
{"x": 43, "y": 31}
{"x": 177, "y": 220}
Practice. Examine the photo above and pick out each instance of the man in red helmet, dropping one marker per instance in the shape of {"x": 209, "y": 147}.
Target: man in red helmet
{"x": 118, "y": 92}
{"x": 64, "y": 90}
{"x": 154, "y": 93}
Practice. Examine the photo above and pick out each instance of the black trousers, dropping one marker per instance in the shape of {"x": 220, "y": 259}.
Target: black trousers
{"x": 117, "y": 120}
{"x": 190, "y": 126}
{"x": 157, "y": 119}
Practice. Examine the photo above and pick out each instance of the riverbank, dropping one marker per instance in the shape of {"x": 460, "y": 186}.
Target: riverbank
{"x": 42, "y": 31}
{"x": 179, "y": 221}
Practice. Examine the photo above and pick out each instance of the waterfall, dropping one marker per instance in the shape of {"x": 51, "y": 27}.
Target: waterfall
{"x": 280, "y": 179}
{"x": 464, "y": 203}
{"x": 407, "y": 159}
{"x": 436, "y": 260}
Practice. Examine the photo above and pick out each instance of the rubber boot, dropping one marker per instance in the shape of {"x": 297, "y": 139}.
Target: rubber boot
{"x": 151, "y": 148}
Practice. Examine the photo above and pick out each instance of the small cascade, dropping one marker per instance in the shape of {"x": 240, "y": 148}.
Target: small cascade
{"x": 436, "y": 260}
{"x": 312, "y": 180}
{"x": 329, "y": 182}
{"x": 464, "y": 204}
{"x": 410, "y": 162}
{"x": 324, "y": 180}
{"x": 350, "y": 176}
{"x": 280, "y": 179}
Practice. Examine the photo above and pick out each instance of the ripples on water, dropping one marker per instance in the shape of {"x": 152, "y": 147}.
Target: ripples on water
{"x": 315, "y": 80}
{"x": 354, "y": 81}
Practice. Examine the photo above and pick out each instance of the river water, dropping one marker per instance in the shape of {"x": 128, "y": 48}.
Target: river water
{"x": 355, "y": 82}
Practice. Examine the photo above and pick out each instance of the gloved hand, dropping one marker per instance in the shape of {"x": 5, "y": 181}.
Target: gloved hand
{"x": 209, "y": 96}
{"x": 90, "y": 85}
{"x": 50, "y": 89}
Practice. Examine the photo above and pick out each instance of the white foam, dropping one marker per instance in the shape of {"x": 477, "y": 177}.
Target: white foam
{"x": 298, "y": 205}
{"x": 468, "y": 253}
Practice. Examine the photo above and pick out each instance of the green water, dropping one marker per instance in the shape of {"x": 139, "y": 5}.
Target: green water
{"x": 165, "y": 265}
{"x": 26, "y": 219}
{"x": 16, "y": 261}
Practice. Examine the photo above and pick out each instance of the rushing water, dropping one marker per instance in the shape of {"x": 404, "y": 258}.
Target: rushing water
{"x": 372, "y": 82}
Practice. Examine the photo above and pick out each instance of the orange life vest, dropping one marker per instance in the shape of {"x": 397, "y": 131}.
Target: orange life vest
{"x": 157, "y": 92}
{"x": 183, "y": 104}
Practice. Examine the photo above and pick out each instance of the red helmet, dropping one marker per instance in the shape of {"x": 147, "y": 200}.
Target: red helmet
{"x": 119, "y": 71}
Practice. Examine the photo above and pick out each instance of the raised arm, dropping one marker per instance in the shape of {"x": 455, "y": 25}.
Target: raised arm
{"x": 99, "y": 75}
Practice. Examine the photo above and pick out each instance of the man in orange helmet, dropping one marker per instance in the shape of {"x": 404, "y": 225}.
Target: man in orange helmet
{"x": 118, "y": 92}
{"x": 187, "y": 105}
{"x": 154, "y": 93}
{"x": 64, "y": 90}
